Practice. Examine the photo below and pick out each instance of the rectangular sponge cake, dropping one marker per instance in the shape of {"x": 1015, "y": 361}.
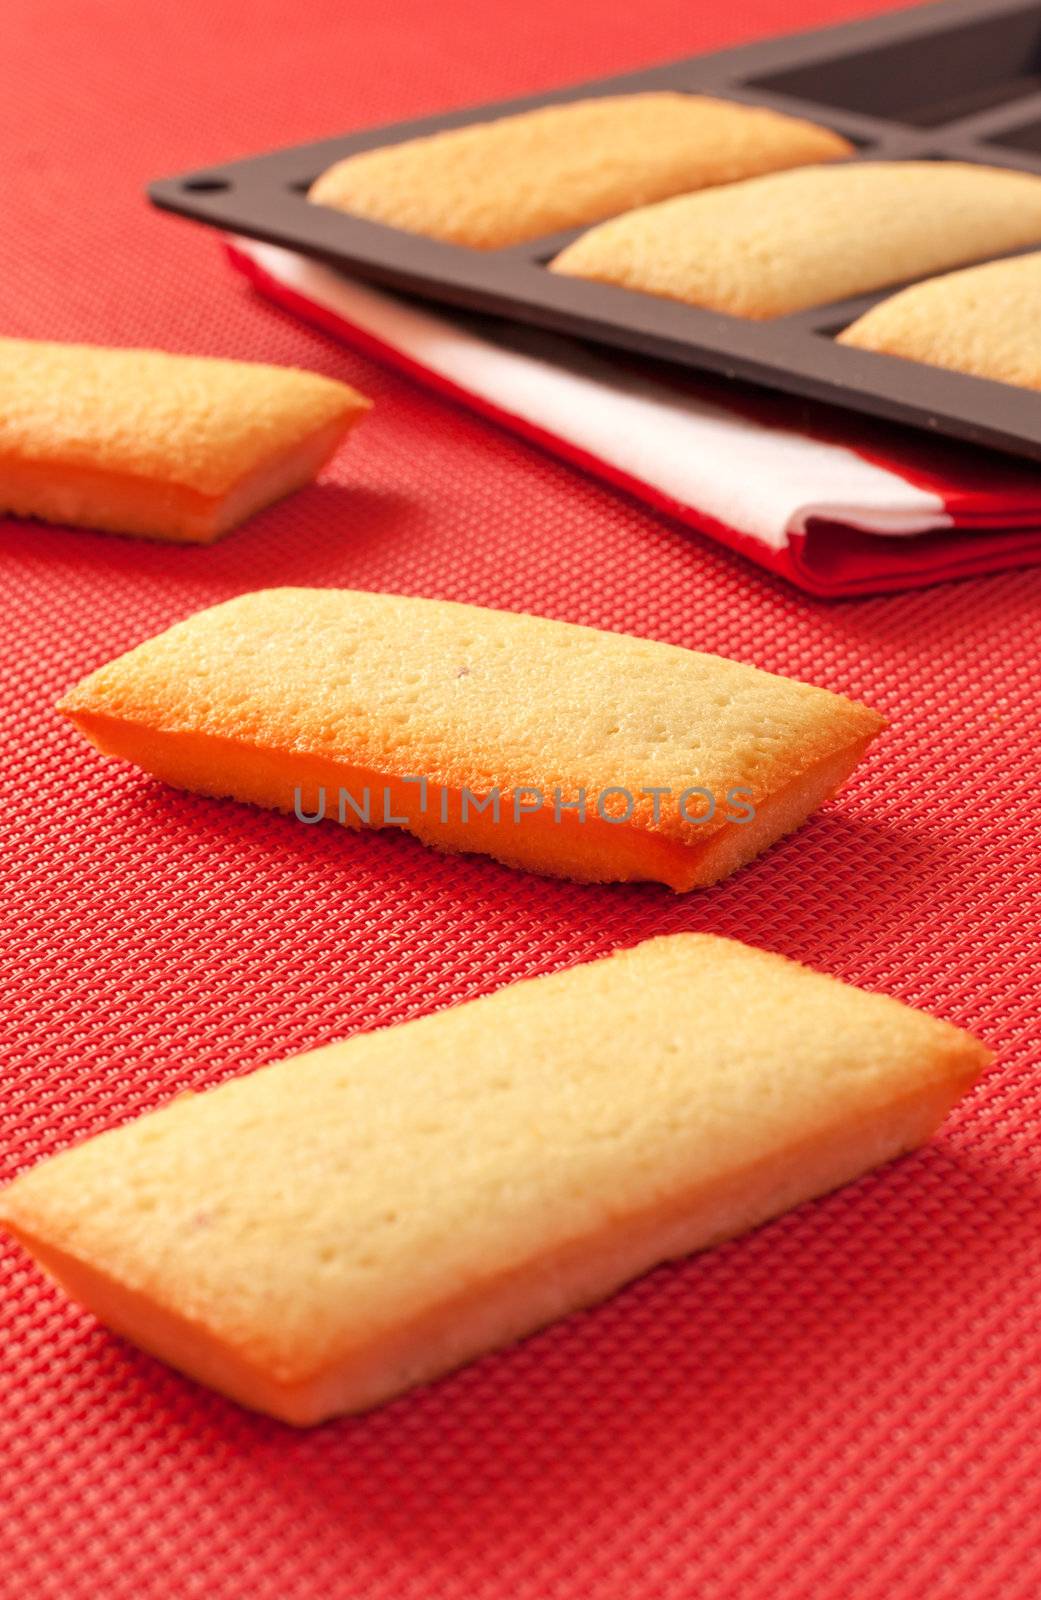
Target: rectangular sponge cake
{"x": 540, "y": 743}
{"x": 499, "y": 183}
{"x": 985, "y": 321}
{"x": 794, "y": 240}
{"x": 320, "y": 1235}
{"x": 169, "y": 447}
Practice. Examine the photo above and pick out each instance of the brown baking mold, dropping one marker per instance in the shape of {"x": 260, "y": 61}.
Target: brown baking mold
{"x": 955, "y": 82}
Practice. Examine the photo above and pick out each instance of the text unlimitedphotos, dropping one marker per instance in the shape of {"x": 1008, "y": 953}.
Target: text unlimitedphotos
{"x": 614, "y": 804}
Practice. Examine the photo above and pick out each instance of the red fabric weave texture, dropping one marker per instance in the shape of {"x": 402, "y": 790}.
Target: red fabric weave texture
{"x": 843, "y": 1406}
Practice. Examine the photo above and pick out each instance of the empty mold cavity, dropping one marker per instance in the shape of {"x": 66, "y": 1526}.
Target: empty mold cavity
{"x": 1027, "y": 137}
{"x": 924, "y": 83}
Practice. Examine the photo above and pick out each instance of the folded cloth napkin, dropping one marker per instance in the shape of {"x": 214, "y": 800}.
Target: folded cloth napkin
{"x": 836, "y": 503}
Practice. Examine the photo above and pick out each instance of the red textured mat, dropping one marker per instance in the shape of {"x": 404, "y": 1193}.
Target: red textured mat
{"x": 846, "y": 1404}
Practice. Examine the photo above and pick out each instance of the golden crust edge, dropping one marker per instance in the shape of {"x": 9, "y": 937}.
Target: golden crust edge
{"x": 161, "y": 508}
{"x": 682, "y": 857}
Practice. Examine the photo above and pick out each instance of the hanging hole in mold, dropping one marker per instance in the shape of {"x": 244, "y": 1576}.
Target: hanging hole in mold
{"x": 206, "y": 185}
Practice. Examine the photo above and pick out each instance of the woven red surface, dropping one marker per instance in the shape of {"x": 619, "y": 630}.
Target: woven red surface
{"x": 847, "y": 1404}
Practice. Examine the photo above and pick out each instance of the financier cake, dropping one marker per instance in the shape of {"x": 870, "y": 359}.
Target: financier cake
{"x": 499, "y": 183}
{"x": 792, "y": 240}
{"x": 562, "y": 749}
{"x": 328, "y": 1231}
{"x": 985, "y": 321}
{"x": 169, "y": 447}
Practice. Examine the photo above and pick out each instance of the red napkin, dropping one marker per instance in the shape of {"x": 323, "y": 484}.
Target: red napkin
{"x": 836, "y": 503}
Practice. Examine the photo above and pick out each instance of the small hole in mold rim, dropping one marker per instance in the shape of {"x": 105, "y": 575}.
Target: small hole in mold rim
{"x": 206, "y": 185}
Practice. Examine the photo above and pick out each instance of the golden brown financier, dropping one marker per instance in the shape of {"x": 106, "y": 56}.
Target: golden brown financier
{"x": 165, "y": 446}
{"x": 793, "y": 240}
{"x": 985, "y": 321}
{"x": 328, "y": 1231}
{"x": 566, "y": 750}
{"x": 499, "y": 183}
